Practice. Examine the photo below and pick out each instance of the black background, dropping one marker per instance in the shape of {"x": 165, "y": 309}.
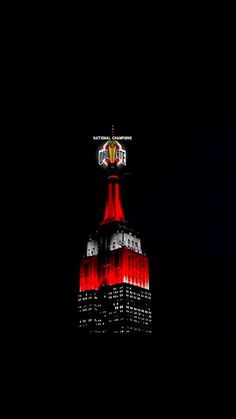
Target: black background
{"x": 165, "y": 80}
{"x": 178, "y": 187}
{"x": 178, "y": 192}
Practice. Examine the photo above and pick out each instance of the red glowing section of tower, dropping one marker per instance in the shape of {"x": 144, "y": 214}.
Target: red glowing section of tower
{"x": 113, "y": 209}
{"x": 118, "y": 266}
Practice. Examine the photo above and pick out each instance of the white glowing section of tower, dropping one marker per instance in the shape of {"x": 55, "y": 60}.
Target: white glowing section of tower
{"x": 127, "y": 240}
{"x": 92, "y": 247}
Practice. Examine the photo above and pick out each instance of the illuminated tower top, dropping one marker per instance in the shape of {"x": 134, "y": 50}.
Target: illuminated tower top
{"x": 114, "y": 252}
{"x": 112, "y": 156}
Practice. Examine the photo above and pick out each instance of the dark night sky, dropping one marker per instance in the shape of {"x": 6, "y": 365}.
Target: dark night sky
{"x": 178, "y": 192}
{"x": 171, "y": 90}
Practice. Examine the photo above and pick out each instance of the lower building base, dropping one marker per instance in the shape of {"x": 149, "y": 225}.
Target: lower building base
{"x": 116, "y": 309}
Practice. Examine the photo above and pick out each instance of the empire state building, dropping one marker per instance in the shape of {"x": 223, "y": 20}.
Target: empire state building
{"x": 114, "y": 295}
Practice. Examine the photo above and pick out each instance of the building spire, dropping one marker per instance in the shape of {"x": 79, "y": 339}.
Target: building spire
{"x": 113, "y": 207}
{"x": 112, "y": 155}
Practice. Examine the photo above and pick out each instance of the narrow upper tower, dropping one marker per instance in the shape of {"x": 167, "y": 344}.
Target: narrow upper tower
{"x": 113, "y": 207}
{"x": 113, "y": 156}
